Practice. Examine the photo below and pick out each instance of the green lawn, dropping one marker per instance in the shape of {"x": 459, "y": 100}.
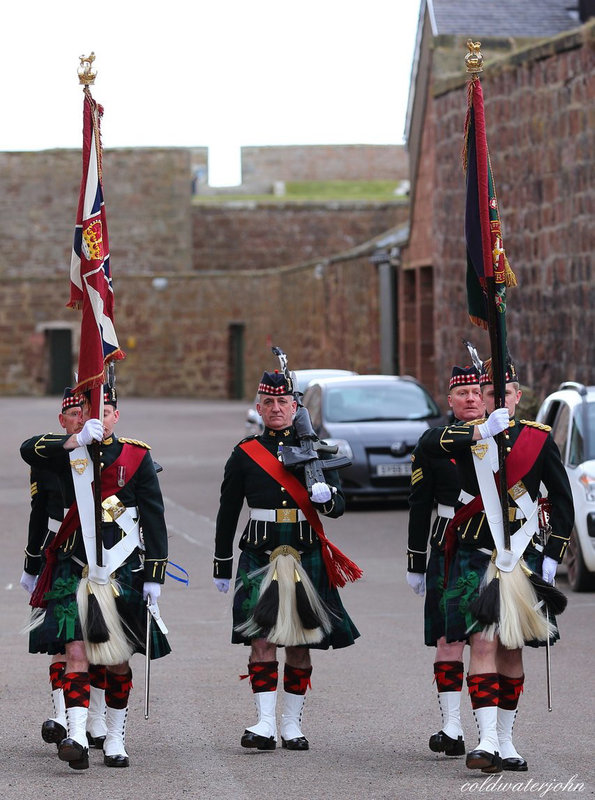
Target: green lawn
{"x": 316, "y": 191}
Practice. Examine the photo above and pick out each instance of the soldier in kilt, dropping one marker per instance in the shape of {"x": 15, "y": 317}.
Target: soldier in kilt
{"x": 434, "y": 480}
{"x": 281, "y": 559}
{"x": 141, "y": 575}
{"x": 496, "y": 676}
{"x": 47, "y": 513}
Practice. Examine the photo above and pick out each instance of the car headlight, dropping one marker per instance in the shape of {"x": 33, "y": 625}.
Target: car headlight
{"x": 344, "y": 447}
{"x": 587, "y": 481}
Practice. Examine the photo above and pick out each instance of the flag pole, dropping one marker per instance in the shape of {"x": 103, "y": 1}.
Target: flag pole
{"x": 474, "y": 65}
{"x": 87, "y": 74}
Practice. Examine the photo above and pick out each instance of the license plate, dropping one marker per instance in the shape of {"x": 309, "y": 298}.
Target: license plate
{"x": 386, "y": 470}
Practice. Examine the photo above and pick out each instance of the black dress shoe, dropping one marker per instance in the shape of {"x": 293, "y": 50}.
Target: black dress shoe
{"x": 443, "y": 743}
{"x": 73, "y": 752}
{"x": 95, "y": 741}
{"x": 116, "y": 761}
{"x": 299, "y": 743}
{"x": 483, "y": 760}
{"x": 52, "y": 732}
{"x": 514, "y": 764}
{"x": 250, "y": 739}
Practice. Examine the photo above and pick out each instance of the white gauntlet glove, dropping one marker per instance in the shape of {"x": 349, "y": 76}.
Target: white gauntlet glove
{"x": 417, "y": 581}
{"x": 321, "y": 493}
{"x": 92, "y": 432}
{"x": 153, "y": 589}
{"x": 548, "y": 569}
{"x": 28, "y": 582}
{"x": 222, "y": 584}
{"x": 495, "y": 423}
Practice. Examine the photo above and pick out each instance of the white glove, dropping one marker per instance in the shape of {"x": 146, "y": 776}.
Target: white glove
{"x": 321, "y": 493}
{"x": 153, "y": 589}
{"x": 548, "y": 569}
{"x": 495, "y": 423}
{"x": 28, "y": 582}
{"x": 92, "y": 431}
{"x": 417, "y": 581}
{"x": 222, "y": 584}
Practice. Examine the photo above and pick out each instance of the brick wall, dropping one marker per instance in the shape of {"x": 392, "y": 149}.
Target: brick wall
{"x": 177, "y": 338}
{"x": 218, "y": 265}
{"x": 147, "y": 194}
{"x": 324, "y": 162}
{"x": 539, "y": 115}
{"x": 261, "y": 236}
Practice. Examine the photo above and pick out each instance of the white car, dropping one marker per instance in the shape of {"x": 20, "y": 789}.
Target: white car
{"x": 303, "y": 377}
{"x": 571, "y": 414}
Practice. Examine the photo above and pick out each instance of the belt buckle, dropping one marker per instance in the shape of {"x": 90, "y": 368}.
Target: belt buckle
{"x": 285, "y": 515}
{"x": 112, "y": 508}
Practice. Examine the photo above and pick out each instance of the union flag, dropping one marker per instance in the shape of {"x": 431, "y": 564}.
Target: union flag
{"x": 90, "y": 276}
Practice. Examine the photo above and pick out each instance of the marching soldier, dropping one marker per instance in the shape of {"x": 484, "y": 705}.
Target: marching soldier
{"x": 284, "y": 586}
{"x": 434, "y": 480}
{"x": 496, "y": 676}
{"x": 128, "y": 474}
{"x": 47, "y": 512}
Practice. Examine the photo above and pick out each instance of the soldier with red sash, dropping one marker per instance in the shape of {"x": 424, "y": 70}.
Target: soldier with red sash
{"x": 129, "y": 483}
{"x": 285, "y": 591}
{"x": 496, "y": 678}
{"x": 47, "y": 513}
{"x": 435, "y": 480}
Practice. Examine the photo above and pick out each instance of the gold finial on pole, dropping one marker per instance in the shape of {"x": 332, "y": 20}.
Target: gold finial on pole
{"x": 474, "y": 59}
{"x": 85, "y": 71}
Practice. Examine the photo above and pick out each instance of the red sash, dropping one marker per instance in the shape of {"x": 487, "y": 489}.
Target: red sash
{"x": 519, "y": 461}
{"x": 130, "y": 458}
{"x": 340, "y": 569}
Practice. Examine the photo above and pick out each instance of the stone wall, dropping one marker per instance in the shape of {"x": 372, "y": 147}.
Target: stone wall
{"x": 363, "y": 162}
{"x": 260, "y": 236}
{"x": 539, "y": 114}
{"x": 147, "y": 195}
{"x": 176, "y": 338}
{"x": 184, "y": 274}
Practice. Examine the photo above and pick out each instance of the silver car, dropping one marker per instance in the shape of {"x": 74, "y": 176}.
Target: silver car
{"x": 375, "y": 420}
{"x": 571, "y": 414}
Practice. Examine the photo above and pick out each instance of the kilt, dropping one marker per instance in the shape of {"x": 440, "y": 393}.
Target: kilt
{"x": 61, "y": 622}
{"x": 433, "y": 605}
{"x": 343, "y": 632}
{"x": 466, "y": 573}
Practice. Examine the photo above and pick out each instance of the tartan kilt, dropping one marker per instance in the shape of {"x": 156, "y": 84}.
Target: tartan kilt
{"x": 343, "y": 632}
{"x": 61, "y": 622}
{"x": 466, "y": 572}
{"x": 434, "y": 626}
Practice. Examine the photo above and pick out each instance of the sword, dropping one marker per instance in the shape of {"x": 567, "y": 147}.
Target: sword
{"x": 147, "y": 659}
{"x": 548, "y": 664}
{"x": 152, "y": 612}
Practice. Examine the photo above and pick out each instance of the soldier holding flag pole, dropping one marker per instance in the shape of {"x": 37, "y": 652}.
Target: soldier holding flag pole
{"x": 498, "y": 575}
{"x": 99, "y": 577}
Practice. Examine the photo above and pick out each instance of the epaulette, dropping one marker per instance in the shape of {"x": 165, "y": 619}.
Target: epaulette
{"x": 137, "y": 442}
{"x": 539, "y": 425}
{"x": 248, "y": 439}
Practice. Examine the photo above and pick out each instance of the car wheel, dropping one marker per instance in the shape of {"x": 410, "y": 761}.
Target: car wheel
{"x": 579, "y": 577}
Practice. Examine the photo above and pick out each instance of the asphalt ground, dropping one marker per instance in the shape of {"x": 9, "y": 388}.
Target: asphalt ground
{"x": 372, "y": 706}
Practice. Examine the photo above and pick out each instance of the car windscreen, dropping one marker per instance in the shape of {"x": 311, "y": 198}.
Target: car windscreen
{"x": 371, "y": 402}
{"x": 582, "y": 442}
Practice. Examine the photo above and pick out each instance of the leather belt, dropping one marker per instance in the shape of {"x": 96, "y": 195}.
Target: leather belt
{"x": 279, "y": 515}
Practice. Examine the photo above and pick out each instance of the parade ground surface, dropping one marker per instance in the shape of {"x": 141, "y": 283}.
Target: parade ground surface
{"x": 372, "y": 706}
